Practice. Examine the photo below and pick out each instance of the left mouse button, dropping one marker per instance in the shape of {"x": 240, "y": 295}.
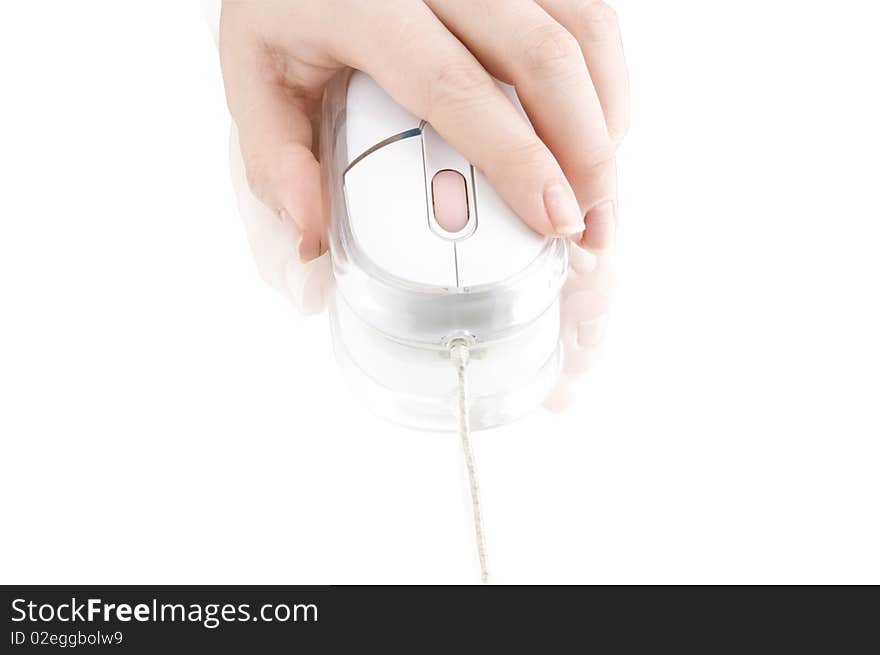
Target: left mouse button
{"x": 372, "y": 116}
{"x": 387, "y": 212}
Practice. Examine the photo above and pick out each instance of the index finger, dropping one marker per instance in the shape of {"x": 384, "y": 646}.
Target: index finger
{"x": 428, "y": 71}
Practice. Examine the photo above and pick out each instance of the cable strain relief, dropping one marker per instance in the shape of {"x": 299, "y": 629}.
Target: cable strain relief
{"x": 459, "y": 351}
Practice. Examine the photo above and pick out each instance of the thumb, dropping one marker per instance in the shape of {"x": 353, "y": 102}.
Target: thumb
{"x": 275, "y": 134}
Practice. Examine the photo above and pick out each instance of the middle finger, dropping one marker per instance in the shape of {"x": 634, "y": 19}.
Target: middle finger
{"x": 528, "y": 48}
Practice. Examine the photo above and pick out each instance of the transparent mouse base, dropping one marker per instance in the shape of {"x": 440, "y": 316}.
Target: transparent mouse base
{"x": 417, "y": 387}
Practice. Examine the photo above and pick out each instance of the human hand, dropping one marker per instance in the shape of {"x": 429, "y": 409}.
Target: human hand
{"x": 585, "y": 304}
{"x": 437, "y": 59}
{"x": 272, "y": 238}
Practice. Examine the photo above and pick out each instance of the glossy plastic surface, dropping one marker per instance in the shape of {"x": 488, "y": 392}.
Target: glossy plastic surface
{"x": 396, "y": 267}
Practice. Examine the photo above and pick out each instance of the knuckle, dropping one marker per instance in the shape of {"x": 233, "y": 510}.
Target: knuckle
{"x": 550, "y": 49}
{"x": 597, "y": 19}
{"x": 595, "y": 172}
{"x": 529, "y": 155}
{"x": 455, "y": 86}
{"x": 270, "y": 171}
{"x": 599, "y": 155}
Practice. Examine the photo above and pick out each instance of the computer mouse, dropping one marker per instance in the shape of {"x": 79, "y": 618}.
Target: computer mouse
{"x": 432, "y": 267}
{"x": 423, "y": 247}
{"x": 425, "y": 252}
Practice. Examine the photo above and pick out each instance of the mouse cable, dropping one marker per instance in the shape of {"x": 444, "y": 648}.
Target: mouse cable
{"x": 459, "y": 352}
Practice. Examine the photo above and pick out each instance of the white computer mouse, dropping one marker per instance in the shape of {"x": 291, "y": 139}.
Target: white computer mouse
{"x": 416, "y": 267}
{"x": 427, "y": 255}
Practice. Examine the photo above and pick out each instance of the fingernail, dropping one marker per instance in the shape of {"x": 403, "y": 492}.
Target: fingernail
{"x": 563, "y": 210}
{"x": 600, "y": 226}
{"x": 308, "y": 249}
{"x": 304, "y": 250}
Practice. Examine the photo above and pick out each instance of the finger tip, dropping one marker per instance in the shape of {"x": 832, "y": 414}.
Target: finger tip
{"x": 308, "y": 248}
{"x": 600, "y": 227}
{"x": 563, "y": 214}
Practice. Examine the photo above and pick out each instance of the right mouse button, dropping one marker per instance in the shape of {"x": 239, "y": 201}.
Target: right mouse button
{"x": 501, "y": 247}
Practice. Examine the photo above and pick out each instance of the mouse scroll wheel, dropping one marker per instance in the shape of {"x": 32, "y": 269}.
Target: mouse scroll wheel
{"x": 449, "y": 189}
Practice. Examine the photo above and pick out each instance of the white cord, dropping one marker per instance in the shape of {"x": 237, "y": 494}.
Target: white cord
{"x": 460, "y": 353}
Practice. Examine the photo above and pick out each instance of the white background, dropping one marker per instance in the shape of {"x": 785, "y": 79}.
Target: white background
{"x": 165, "y": 417}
